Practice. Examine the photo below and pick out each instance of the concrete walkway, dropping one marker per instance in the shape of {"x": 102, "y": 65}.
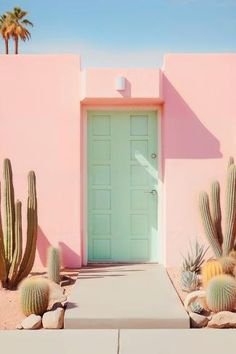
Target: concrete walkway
{"x": 153, "y": 341}
{"x": 147, "y": 341}
{"x": 137, "y": 296}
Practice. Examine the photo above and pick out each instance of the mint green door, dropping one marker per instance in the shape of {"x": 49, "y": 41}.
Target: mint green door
{"x": 122, "y": 186}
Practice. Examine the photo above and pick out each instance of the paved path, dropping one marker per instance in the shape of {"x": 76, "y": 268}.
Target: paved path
{"x": 125, "y": 296}
{"x": 149, "y": 341}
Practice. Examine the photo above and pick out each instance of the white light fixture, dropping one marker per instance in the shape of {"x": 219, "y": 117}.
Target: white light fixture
{"x": 120, "y": 83}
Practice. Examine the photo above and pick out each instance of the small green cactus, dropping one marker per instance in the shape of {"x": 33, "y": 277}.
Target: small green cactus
{"x": 54, "y": 264}
{"x": 34, "y": 296}
{"x": 189, "y": 281}
{"x": 221, "y": 293}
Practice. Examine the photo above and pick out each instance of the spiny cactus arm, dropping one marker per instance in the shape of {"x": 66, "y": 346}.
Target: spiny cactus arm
{"x": 230, "y": 210}
{"x": 9, "y": 206}
{"x": 231, "y": 161}
{"x": 32, "y": 228}
{"x": 54, "y": 264}
{"x": 3, "y": 270}
{"x": 208, "y": 225}
{"x": 13, "y": 272}
{"x": 216, "y": 209}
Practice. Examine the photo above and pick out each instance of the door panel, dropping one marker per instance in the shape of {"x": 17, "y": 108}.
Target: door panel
{"x": 122, "y": 213}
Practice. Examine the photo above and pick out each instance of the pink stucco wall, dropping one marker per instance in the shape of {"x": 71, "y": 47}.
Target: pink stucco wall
{"x": 198, "y": 136}
{"x": 43, "y": 101}
{"x": 39, "y": 130}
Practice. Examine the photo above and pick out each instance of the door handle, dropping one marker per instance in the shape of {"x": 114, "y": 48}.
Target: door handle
{"x": 153, "y": 192}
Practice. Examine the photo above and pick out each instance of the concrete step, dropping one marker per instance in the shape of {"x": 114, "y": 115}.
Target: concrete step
{"x": 162, "y": 341}
{"x": 59, "y": 341}
{"x": 124, "y": 296}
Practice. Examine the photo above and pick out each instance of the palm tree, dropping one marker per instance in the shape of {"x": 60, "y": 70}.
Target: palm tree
{"x": 4, "y": 24}
{"x": 17, "y": 26}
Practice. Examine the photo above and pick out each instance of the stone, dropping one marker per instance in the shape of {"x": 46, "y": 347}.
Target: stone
{"x": 54, "y": 319}
{"x": 223, "y": 319}
{"x": 32, "y": 322}
{"x": 193, "y": 296}
{"x": 57, "y": 294}
{"x": 197, "y": 320}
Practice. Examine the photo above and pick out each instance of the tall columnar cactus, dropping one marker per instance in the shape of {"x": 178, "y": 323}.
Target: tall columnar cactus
{"x": 54, "y": 264}
{"x": 221, "y": 293}
{"x": 32, "y": 226}
{"x": 34, "y": 296}
{"x": 210, "y": 269}
{"x": 13, "y": 268}
{"x": 221, "y": 243}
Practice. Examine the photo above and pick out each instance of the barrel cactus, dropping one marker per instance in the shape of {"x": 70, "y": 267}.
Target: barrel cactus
{"x": 189, "y": 281}
{"x": 34, "y": 296}
{"x": 221, "y": 293}
{"x": 221, "y": 242}
{"x": 210, "y": 269}
{"x": 14, "y": 264}
{"x": 228, "y": 264}
{"x": 54, "y": 264}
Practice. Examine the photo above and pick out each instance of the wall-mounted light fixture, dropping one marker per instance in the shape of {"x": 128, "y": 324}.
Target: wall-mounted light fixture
{"x": 120, "y": 83}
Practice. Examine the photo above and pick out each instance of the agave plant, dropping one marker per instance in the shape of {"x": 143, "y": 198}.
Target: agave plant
{"x": 189, "y": 281}
{"x": 194, "y": 259}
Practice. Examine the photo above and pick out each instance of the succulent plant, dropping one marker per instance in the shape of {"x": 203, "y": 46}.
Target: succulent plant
{"x": 221, "y": 242}
{"x": 221, "y": 293}
{"x": 196, "y": 307}
{"x": 54, "y": 264}
{"x": 194, "y": 258}
{"x": 34, "y": 296}
{"x": 228, "y": 264}
{"x": 14, "y": 264}
{"x": 189, "y": 281}
{"x": 210, "y": 269}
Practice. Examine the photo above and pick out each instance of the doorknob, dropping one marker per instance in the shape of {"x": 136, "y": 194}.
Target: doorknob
{"x": 153, "y": 192}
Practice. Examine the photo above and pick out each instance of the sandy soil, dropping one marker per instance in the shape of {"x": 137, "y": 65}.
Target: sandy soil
{"x": 10, "y": 313}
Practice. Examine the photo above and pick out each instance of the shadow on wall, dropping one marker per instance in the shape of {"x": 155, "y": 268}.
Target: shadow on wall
{"x": 42, "y": 246}
{"x": 127, "y": 91}
{"x": 69, "y": 258}
{"x": 183, "y": 134}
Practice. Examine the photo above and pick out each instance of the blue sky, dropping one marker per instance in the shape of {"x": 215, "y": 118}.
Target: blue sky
{"x": 128, "y": 32}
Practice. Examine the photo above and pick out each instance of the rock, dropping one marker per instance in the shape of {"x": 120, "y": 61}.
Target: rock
{"x": 193, "y": 296}
{"x": 223, "y": 319}
{"x": 56, "y": 294}
{"x": 19, "y": 326}
{"x": 198, "y": 321}
{"x": 54, "y": 319}
{"x": 32, "y": 322}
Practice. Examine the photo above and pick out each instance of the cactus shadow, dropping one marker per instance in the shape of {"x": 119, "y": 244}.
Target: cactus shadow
{"x": 69, "y": 258}
{"x": 42, "y": 246}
